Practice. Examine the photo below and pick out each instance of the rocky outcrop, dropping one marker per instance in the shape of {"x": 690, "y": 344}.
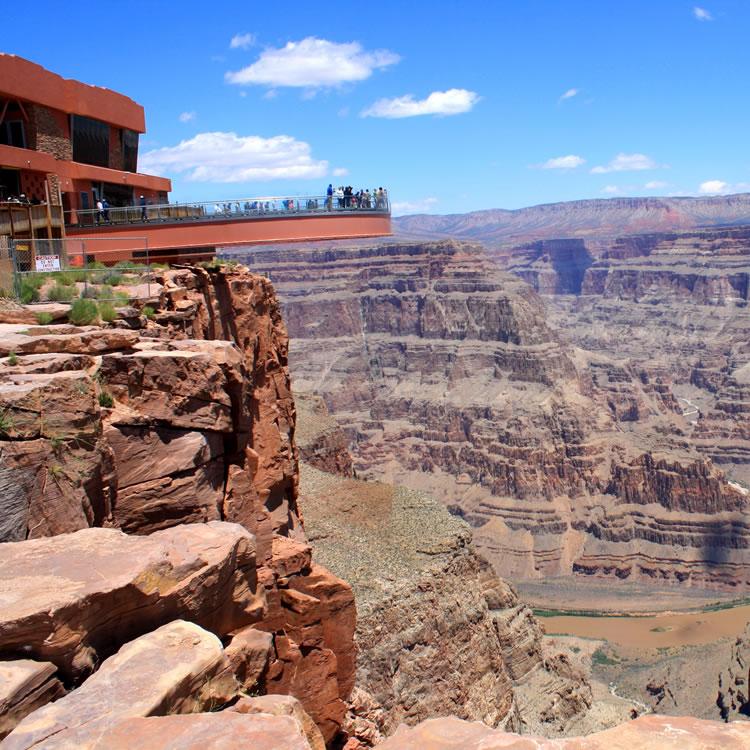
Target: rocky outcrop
{"x": 230, "y": 731}
{"x": 167, "y": 429}
{"x": 653, "y": 732}
{"x": 445, "y": 376}
{"x": 73, "y": 598}
{"x": 178, "y": 668}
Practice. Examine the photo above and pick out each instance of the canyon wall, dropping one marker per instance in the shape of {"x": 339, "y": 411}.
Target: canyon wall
{"x": 149, "y": 427}
{"x": 437, "y": 631}
{"x": 446, "y": 377}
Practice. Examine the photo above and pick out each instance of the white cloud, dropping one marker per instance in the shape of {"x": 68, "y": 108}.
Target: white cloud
{"x": 186, "y": 117}
{"x": 627, "y": 163}
{"x": 702, "y": 14}
{"x": 270, "y": 94}
{"x": 571, "y": 161}
{"x": 719, "y": 187}
{"x": 655, "y": 185}
{"x": 611, "y": 189}
{"x": 714, "y": 187}
{"x": 443, "y": 103}
{"x": 413, "y": 207}
{"x": 313, "y": 63}
{"x": 340, "y": 172}
{"x": 569, "y": 94}
{"x": 242, "y": 41}
{"x": 228, "y": 157}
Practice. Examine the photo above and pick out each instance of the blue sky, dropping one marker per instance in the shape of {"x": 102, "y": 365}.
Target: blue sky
{"x": 453, "y": 106}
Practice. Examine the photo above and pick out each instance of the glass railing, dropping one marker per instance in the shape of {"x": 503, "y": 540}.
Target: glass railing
{"x": 243, "y": 208}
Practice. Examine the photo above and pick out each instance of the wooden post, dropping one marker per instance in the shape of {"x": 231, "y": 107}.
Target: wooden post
{"x": 49, "y": 212}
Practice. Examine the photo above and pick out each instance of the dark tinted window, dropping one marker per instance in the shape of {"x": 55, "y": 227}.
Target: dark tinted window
{"x": 12, "y": 133}
{"x": 129, "y": 150}
{"x": 90, "y": 141}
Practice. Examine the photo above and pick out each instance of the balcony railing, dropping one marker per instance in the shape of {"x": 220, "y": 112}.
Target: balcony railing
{"x": 25, "y": 220}
{"x": 238, "y": 209}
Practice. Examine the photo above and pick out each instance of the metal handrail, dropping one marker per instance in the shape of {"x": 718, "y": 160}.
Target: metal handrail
{"x": 237, "y": 208}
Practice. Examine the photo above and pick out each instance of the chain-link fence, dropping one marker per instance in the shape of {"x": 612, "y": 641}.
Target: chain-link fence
{"x": 109, "y": 270}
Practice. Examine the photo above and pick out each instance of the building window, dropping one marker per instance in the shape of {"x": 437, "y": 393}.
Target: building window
{"x": 90, "y": 141}
{"x": 129, "y": 150}
{"x": 12, "y": 133}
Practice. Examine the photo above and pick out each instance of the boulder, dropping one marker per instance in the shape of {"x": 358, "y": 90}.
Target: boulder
{"x": 25, "y": 685}
{"x": 283, "y": 705}
{"x": 63, "y": 339}
{"x": 648, "y": 732}
{"x": 206, "y": 731}
{"x": 249, "y": 653}
{"x": 74, "y": 599}
{"x": 178, "y": 668}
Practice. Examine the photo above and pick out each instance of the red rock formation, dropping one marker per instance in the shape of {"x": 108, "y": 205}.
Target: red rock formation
{"x": 652, "y": 732}
{"x": 197, "y": 426}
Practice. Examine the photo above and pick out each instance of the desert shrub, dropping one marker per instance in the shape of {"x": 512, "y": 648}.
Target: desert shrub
{"x": 61, "y": 293}
{"x": 148, "y": 311}
{"x": 83, "y": 312}
{"x": 27, "y": 292}
{"x": 96, "y": 265}
{"x": 122, "y": 299}
{"x": 12, "y": 358}
{"x": 107, "y": 312}
{"x": 106, "y": 400}
{"x": 112, "y": 278}
{"x": 44, "y": 318}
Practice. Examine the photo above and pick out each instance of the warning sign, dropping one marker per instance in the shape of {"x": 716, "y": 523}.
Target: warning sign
{"x": 47, "y": 262}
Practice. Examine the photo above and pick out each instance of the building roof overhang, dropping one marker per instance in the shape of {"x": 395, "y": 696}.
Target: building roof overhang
{"x": 25, "y": 80}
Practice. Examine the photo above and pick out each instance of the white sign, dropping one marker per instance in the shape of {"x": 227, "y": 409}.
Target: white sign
{"x": 47, "y": 262}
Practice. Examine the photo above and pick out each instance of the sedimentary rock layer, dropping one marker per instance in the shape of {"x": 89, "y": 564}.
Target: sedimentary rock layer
{"x": 445, "y": 376}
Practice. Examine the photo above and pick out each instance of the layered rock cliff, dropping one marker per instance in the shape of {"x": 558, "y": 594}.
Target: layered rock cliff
{"x": 150, "y": 427}
{"x": 446, "y": 377}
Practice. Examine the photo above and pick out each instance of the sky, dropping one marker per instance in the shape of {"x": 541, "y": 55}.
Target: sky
{"x": 452, "y": 106}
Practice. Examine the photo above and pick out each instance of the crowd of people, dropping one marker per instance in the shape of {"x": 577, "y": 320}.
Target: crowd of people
{"x": 345, "y": 197}
{"x": 23, "y": 200}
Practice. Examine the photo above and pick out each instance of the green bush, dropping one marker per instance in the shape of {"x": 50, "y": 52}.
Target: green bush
{"x": 96, "y": 265}
{"x": 105, "y": 292}
{"x": 12, "y": 359}
{"x": 106, "y": 400}
{"x": 112, "y": 278}
{"x": 122, "y": 299}
{"x": 28, "y": 292}
{"x": 129, "y": 265}
{"x": 61, "y": 293}
{"x": 107, "y": 312}
{"x": 83, "y": 312}
{"x": 66, "y": 278}
{"x": 148, "y": 311}
{"x": 80, "y": 275}
{"x": 44, "y": 318}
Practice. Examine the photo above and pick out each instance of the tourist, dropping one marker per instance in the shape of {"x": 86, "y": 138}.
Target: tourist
{"x": 340, "y": 197}
{"x": 99, "y": 211}
{"x": 329, "y": 197}
{"x": 142, "y": 202}
{"x": 105, "y": 208}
